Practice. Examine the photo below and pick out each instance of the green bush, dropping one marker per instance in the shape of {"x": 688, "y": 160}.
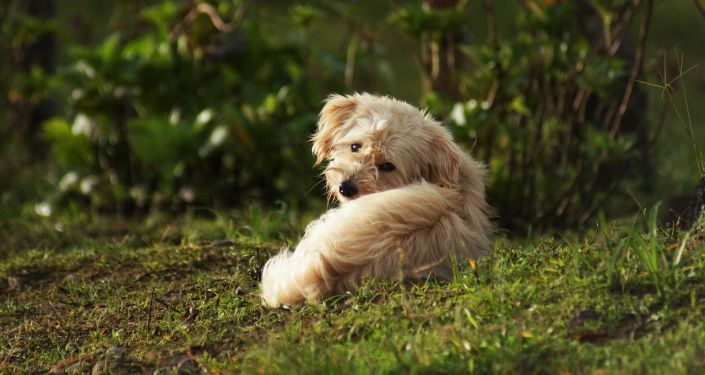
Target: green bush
{"x": 540, "y": 106}
{"x": 210, "y": 103}
{"x": 187, "y": 111}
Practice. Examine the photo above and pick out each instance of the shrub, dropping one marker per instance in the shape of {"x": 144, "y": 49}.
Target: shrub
{"x": 204, "y": 103}
{"x": 552, "y": 108}
{"x": 192, "y": 109}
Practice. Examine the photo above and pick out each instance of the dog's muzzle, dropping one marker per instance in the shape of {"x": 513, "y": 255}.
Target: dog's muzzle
{"x": 347, "y": 189}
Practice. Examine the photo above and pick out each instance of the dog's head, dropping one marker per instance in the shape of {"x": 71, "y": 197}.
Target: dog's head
{"x": 377, "y": 143}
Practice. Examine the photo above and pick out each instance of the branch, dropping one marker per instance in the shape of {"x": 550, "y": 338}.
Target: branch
{"x": 494, "y": 41}
{"x": 208, "y": 10}
{"x": 700, "y": 4}
{"x": 215, "y": 18}
{"x": 636, "y": 69}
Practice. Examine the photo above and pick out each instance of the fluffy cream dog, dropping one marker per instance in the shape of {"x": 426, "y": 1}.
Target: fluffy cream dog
{"x": 411, "y": 203}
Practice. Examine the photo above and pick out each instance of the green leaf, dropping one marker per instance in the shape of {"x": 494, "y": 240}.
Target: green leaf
{"x": 70, "y": 148}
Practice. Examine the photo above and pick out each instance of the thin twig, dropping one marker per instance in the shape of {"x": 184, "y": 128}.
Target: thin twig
{"x": 688, "y": 127}
{"x": 636, "y": 69}
{"x": 701, "y": 8}
{"x": 350, "y": 61}
{"x": 149, "y": 311}
{"x": 159, "y": 301}
{"x": 212, "y": 13}
{"x": 216, "y": 20}
{"x": 494, "y": 42}
{"x": 621, "y": 27}
{"x": 499, "y": 73}
{"x": 690, "y": 119}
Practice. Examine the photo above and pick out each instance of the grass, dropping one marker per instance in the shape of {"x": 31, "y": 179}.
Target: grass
{"x": 171, "y": 296}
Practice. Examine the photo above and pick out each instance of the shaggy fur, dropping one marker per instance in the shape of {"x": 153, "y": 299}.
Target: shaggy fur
{"x": 411, "y": 221}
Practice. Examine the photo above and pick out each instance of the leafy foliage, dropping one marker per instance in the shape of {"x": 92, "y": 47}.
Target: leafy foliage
{"x": 185, "y": 112}
{"x": 545, "y": 102}
{"x": 174, "y": 104}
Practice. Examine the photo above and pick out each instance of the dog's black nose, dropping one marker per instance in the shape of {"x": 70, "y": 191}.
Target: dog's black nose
{"x": 347, "y": 189}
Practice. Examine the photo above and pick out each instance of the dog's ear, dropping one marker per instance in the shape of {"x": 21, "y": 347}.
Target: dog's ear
{"x": 445, "y": 157}
{"x": 338, "y": 108}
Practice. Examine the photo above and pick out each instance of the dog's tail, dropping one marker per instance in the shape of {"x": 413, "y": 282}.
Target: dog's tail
{"x": 290, "y": 278}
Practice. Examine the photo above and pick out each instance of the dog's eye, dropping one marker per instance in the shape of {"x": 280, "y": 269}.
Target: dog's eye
{"x": 386, "y": 167}
{"x": 355, "y": 147}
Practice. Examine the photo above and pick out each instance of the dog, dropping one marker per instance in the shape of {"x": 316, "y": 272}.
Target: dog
{"x": 411, "y": 203}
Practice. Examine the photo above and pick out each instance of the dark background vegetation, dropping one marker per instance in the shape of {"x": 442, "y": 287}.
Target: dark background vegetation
{"x": 131, "y": 107}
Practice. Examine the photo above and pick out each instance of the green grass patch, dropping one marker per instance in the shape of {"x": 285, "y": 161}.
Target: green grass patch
{"x": 171, "y": 296}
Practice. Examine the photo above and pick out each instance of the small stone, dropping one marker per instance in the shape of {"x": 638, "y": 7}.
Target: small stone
{"x": 77, "y": 368}
{"x": 80, "y": 364}
{"x": 114, "y": 361}
{"x": 13, "y": 284}
{"x": 116, "y": 353}
{"x": 187, "y": 367}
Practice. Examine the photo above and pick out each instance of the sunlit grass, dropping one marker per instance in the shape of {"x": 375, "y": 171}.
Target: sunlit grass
{"x": 169, "y": 292}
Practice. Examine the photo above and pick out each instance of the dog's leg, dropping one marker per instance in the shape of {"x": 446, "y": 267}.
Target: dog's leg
{"x": 393, "y": 233}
